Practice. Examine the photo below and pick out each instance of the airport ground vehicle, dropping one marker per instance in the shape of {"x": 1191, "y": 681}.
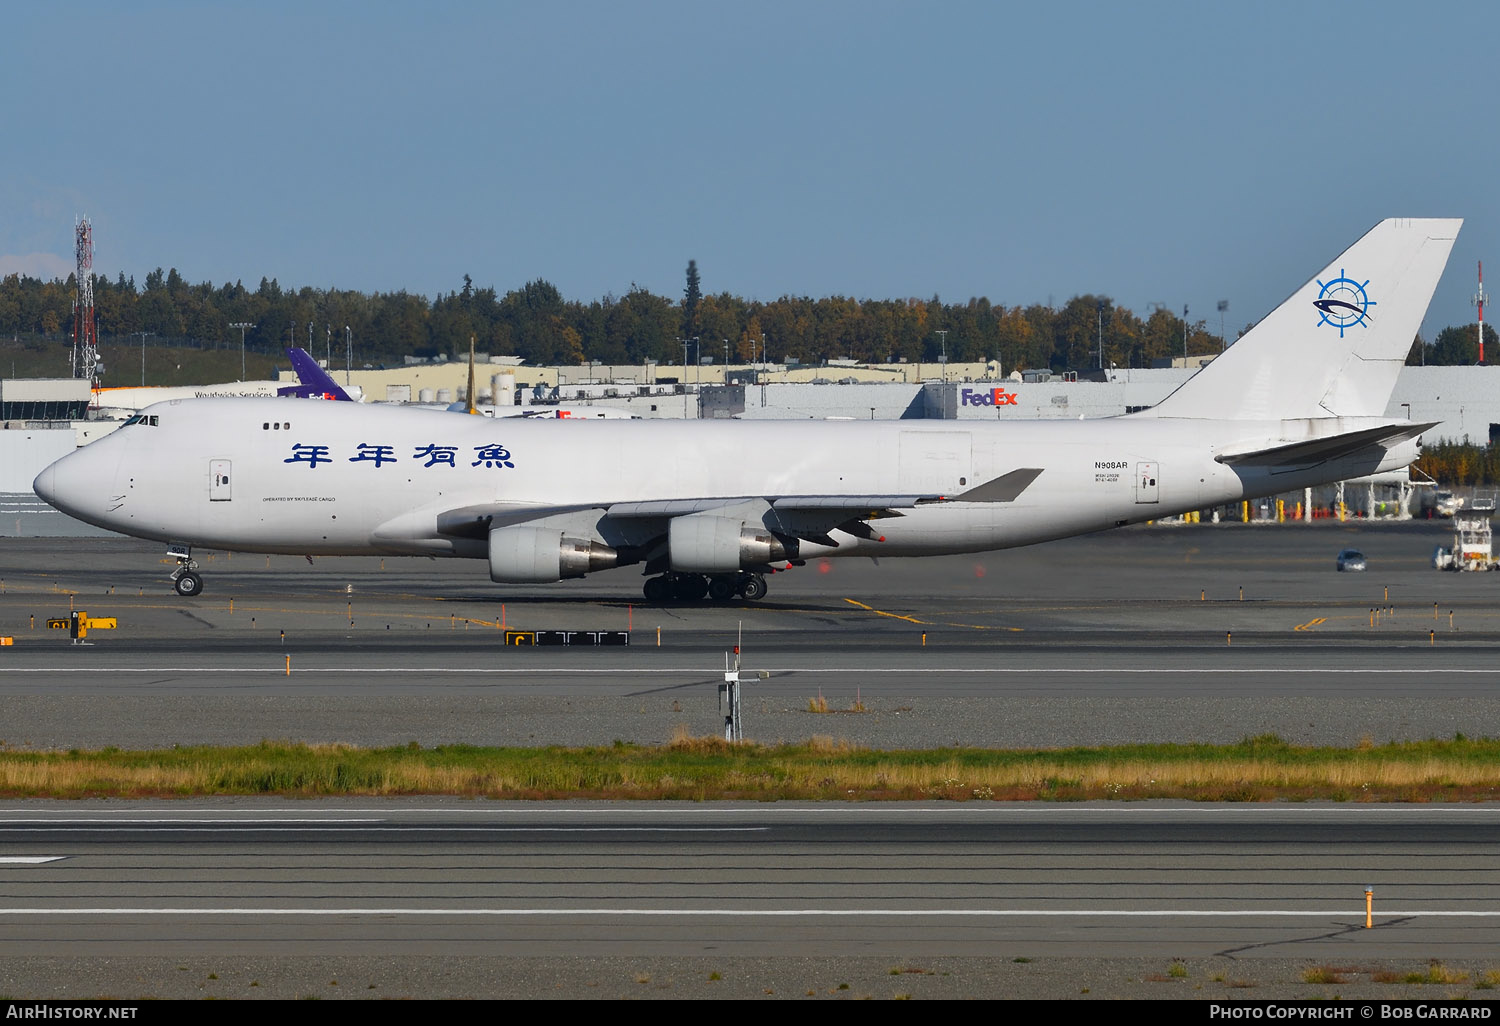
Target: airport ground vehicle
{"x": 1350, "y": 559}
{"x": 1473, "y": 543}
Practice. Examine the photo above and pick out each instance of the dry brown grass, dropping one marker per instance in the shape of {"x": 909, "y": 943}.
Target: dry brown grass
{"x": 707, "y": 766}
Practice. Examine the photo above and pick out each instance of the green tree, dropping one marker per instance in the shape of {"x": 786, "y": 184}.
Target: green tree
{"x": 692, "y": 297}
{"x": 1458, "y": 346}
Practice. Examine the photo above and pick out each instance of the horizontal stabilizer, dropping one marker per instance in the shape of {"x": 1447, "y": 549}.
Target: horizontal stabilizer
{"x": 1319, "y": 450}
{"x": 1005, "y": 488}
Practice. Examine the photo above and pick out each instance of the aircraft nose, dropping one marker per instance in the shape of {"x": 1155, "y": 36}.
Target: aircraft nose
{"x": 45, "y": 485}
{"x": 71, "y": 484}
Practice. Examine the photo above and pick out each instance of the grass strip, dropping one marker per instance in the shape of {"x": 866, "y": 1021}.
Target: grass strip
{"x": 688, "y": 768}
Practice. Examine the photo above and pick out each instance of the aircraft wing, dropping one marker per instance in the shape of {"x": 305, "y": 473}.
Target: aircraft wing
{"x": 806, "y": 516}
{"x": 1319, "y": 450}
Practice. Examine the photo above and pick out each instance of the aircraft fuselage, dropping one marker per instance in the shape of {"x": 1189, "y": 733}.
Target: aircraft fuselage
{"x": 278, "y": 475}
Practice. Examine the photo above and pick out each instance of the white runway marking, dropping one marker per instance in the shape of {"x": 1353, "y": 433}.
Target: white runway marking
{"x": 174, "y": 819}
{"x": 238, "y": 829}
{"x": 280, "y": 670}
{"x": 29, "y": 860}
{"x": 768, "y": 913}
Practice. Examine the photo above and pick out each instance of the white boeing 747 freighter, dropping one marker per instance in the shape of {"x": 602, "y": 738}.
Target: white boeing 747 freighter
{"x": 708, "y": 508}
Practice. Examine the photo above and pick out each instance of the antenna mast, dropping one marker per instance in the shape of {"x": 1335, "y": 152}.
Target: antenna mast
{"x": 85, "y": 342}
{"x": 1479, "y": 301}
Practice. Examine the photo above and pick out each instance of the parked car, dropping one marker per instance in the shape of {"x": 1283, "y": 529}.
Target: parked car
{"x": 1446, "y": 503}
{"x": 1351, "y": 559}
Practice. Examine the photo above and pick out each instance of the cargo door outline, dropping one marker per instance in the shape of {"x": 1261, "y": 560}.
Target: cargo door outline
{"x": 935, "y": 461}
{"x": 1147, "y": 489}
{"x": 219, "y": 477}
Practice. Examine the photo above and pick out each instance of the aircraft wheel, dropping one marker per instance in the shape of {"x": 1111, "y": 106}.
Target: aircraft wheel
{"x": 721, "y": 588}
{"x": 657, "y": 590}
{"x": 188, "y": 584}
{"x": 754, "y": 588}
{"x": 690, "y": 587}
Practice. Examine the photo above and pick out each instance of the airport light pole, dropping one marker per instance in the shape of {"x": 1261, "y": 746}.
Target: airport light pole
{"x": 1223, "y": 338}
{"x": 761, "y": 376}
{"x": 1184, "y": 335}
{"x": 943, "y": 337}
{"x": 1101, "y": 334}
{"x": 242, "y": 325}
{"x": 684, "y": 342}
{"x": 143, "y": 335}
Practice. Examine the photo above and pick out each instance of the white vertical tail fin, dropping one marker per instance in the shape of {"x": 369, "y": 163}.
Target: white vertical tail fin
{"x": 1335, "y": 347}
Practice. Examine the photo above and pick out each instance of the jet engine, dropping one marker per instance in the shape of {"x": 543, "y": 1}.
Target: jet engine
{"x": 707, "y": 544}
{"x": 534, "y": 555}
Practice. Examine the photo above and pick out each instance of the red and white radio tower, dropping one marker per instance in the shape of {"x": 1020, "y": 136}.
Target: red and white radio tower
{"x": 1479, "y": 301}
{"x": 85, "y": 342}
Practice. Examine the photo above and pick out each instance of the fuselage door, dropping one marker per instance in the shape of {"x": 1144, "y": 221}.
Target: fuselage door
{"x": 218, "y": 481}
{"x": 935, "y": 461}
{"x": 1146, "y": 489}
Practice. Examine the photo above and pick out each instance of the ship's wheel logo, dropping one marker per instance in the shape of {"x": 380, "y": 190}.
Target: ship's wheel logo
{"x": 1343, "y": 303}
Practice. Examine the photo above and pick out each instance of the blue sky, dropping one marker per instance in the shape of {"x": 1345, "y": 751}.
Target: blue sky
{"x": 1152, "y": 151}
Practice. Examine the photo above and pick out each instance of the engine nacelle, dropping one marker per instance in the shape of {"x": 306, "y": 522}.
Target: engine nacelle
{"x": 536, "y": 555}
{"x": 704, "y": 544}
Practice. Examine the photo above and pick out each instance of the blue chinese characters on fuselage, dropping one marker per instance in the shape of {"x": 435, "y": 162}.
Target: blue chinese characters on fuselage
{"x": 492, "y": 455}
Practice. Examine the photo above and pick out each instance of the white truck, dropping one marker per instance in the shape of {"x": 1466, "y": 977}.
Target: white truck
{"x": 1473, "y": 539}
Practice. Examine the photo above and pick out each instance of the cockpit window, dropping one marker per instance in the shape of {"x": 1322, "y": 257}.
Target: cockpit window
{"x": 141, "y": 418}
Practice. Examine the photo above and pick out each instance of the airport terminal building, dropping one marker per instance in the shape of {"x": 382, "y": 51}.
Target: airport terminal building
{"x": 1463, "y": 401}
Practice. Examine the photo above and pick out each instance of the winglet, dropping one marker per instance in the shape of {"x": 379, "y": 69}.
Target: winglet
{"x": 1005, "y": 488}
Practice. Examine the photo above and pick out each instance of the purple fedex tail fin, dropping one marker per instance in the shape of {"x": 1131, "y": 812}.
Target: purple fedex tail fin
{"x": 314, "y": 380}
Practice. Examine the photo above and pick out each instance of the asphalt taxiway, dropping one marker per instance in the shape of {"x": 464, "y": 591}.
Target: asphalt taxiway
{"x": 1207, "y": 633}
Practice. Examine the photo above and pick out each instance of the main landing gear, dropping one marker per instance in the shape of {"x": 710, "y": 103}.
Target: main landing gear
{"x": 695, "y": 587}
{"x": 185, "y": 578}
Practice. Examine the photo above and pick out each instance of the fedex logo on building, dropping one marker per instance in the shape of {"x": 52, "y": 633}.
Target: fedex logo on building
{"x": 994, "y": 397}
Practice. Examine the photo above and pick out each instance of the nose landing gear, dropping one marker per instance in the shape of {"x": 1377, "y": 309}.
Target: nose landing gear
{"x": 185, "y": 578}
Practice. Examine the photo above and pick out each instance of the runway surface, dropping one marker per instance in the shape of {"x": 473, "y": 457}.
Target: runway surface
{"x": 1174, "y": 634}
{"x": 1253, "y": 888}
{"x": 439, "y": 878}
